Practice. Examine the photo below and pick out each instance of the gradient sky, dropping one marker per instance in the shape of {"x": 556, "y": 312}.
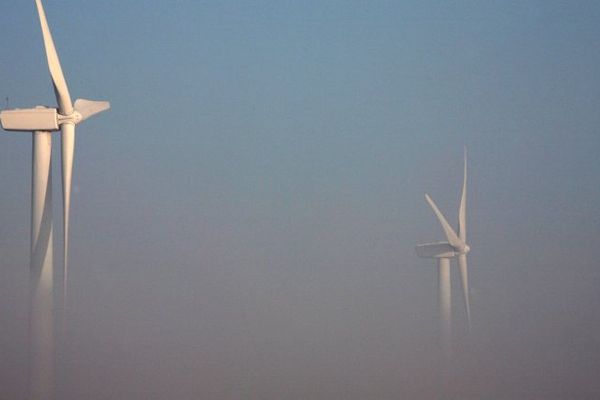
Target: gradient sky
{"x": 244, "y": 217}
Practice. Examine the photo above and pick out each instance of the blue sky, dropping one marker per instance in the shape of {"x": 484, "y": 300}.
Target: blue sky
{"x": 245, "y": 215}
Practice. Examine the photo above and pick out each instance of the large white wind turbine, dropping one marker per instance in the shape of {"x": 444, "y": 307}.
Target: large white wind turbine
{"x": 65, "y": 117}
{"x": 41, "y": 121}
{"x": 455, "y": 247}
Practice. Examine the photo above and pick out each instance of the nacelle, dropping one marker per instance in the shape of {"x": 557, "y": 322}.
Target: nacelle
{"x": 29, "y": 119}
{"x": 436, "y": 250}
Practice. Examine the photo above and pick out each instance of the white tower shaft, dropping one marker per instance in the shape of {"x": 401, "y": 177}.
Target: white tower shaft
{"x": 445, "y": 305}
{"x": 41, "y": 357}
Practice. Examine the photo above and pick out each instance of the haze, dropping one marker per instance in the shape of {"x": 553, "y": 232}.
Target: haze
{"x": 244, "y": 218}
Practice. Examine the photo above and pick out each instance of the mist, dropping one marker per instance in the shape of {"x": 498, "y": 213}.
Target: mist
{"x": 244, "y": 218}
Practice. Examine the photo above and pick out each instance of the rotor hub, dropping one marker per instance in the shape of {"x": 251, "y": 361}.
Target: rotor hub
{"x": 73, "y": 118}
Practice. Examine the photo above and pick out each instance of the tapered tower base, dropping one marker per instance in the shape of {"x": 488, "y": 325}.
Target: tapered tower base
{"x": 41, "y": 349}
{"x": 445, "y": 305}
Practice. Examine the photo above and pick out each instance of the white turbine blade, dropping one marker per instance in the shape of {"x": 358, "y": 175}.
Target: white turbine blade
{"x": 87, "y": 108}
{"x": 450, "y": 234}
{"x": 58, "y": 79}
{"x": 464, "y": 277}
{"x": 68, "y": 148}
{"x": 462, "y": 211}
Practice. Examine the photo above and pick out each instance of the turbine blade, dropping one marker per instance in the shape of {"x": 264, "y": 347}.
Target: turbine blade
{"x": 87, "y": 108}
{"x": 464, "y": 277}
{"x": 68, "y": 148}
{"x": 61, "y": 90}
{"x": 450, "y": 234}
{"x": 462, "y": 211}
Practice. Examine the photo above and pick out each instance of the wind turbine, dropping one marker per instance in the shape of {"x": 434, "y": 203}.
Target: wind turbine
{"x": 455, "y": 247}
{"x": 41, "y": 121}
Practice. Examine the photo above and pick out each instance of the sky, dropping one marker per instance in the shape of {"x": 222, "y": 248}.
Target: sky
{"x": 243, "y": 219}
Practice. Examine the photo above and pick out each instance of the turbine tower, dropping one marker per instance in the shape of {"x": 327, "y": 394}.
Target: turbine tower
{"x": 42, "y": 121}
{"x": 455, "y": 247}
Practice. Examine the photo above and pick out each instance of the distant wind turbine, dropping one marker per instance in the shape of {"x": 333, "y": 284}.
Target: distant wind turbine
{"x": 41, "y": 121}
{"x": 455, "y": 247}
